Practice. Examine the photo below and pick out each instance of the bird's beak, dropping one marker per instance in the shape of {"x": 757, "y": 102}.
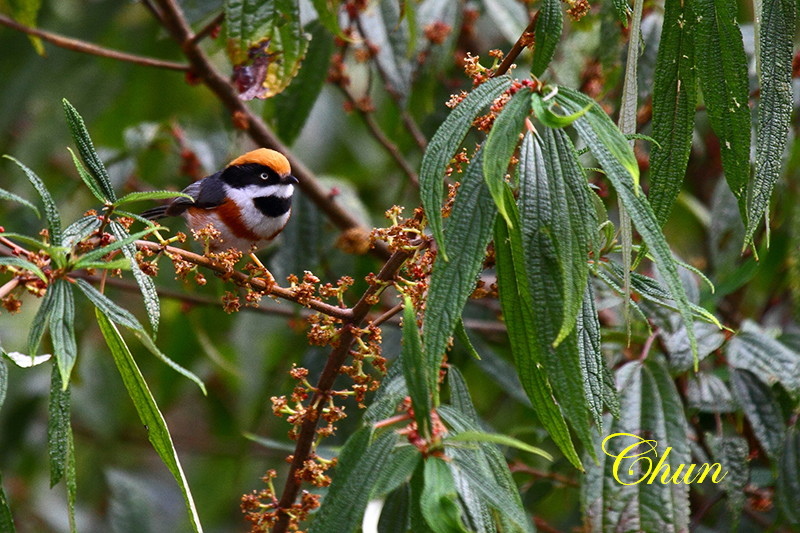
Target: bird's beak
{"x": 290, "y": 180}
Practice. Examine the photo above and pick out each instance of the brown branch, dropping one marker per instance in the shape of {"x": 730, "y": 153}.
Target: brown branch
{"x": 89, "y": 48}
{"x": 524, "y": 40}
{"x": 252, "y": 123}
{"x": 336, "y": 359}
{"x": 209, "y": 28}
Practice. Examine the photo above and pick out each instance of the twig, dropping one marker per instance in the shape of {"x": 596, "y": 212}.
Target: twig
{"x": 89, "y": 48}
{"x": 387, "y": 315}
{"x": 209, "y": 28}
{"x": 324, "y": 385}
{"x": 252, "y": 123}
{"x": 524, "y": 40}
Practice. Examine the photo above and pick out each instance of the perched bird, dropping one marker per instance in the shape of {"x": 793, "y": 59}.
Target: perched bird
{"x": 248, "y": 202}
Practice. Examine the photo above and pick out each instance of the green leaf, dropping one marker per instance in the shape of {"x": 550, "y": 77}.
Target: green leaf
{"x": 592, "y": 363}
{"x": 149, "y": 414}
{"x": 460, "y": 399}
{"x": 788, "y": 484}
{"x": 6, "y": 519}
{"x": 397, "y": 470}
{"x": 62, "y": 328}
{"x": 497, "y": 438}
{"x": 50, "y": 208}
{"x": 3, "y": 379}
{"x": 353, "y": 480}
{"x": 292, "y": 107}
{"x": 443, "y": 146}
{"x": 385, "y": 27}
{"x": 87, "y": 178}
{"x": 722, "y": 68}
{"x": 421, "y": 372}
{"x": 80, "y": 229}
{"x": 548, "y": 34}
{"x": 99, "y": 253}
{"x": 518, "y": 313}
{"x": 500, "y": 146}
{"x": 270, "y": 36}
{"x": 761, "y": 409}
{"x": 149, "y": 195}
{"x": 5, "y": 195}
{"x": 708, "y": 393}
{"x": 88, "y": 154}
{"x": 776, "y": 38}
{"x": 23, "y": 264}
{"x": 731, "y": 452}
{"x": 623, "y": 9}
{"x": 328, "y": 12}
{"x": 439, "y": 498}
{"x": 614, "y": 153}
{"x": 26, "y": 12}
{"x": 40, "y": 321}
{"x": 146, "y": 284}
{"x": 674, "y": 102}
{"x": 549, "y": 118}
{"x": 468, "y": 232}
{"x": 59, "y": 431}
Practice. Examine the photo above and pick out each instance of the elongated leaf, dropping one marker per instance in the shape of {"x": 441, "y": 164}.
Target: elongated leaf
{"x": 40, "y": 321}
{"x": 548, "y": 34}
{"x": 439, "y": 498}
{"x": 95, "y": 255}
{"x": 386, "y": 28}
{"x": 761, "y": 409}
{"x": 146, "y": 284}
{"x": 708, "y": 393}
{"x": 293, "y": 106}
{"x": 58, "y": 427}
{"x": 3, "y": 379}
{"x": 776, "y": 36}
{"x": 460, "y": 399}
{"x": 420, "y": 371}
{"x": 5, "y": 195}
{"x": 615, "y": 155}
{"x": 674, "y": 102}
{"x": 731, "y": 453}
{"x": 88, "y": 154}
{"x": 80, "y": 229}
{"x": 266, "y": 45}
{"x": 467, "y": 234}
{"x": 26, "y": 12}
{"x": 23, "y": 264}
{"x": 62, "y": 328}
{"x": 50, "y": 208}
{"x": 548, "y": 117}
{"x": 623, "y": 9}
{"x": 444, "y": 145}
{"x": 517, "y": 306}
{"x": 87, "y": 178}
{"x": 149, "y": 414}
{"x": 149, "y": 195}
{"x": 501, "y": 145}
{"x": 328, "y": 12}
{"x": 788, "y": 485}
{"x": 6, "y": 519}
{"x": 353, "y": 481}
{"x": 722, "y": 69}
{"x": 497, "y": 438}
{"x": 592, "y": 363}
{"x": 396, "y": 471}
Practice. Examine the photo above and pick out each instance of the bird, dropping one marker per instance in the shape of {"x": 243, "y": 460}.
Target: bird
{"x": 249, "y": 202}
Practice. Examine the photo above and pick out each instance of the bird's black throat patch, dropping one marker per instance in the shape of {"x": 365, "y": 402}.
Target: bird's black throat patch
{"x": 273, "y": 206}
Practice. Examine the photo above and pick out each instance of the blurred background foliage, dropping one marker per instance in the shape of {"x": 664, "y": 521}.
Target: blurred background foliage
{"x": 144, "y": 120}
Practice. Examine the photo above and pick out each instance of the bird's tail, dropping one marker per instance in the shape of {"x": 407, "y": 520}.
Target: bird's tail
{"x": 155, "y": 213}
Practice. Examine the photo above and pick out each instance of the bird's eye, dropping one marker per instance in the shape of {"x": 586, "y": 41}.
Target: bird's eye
{"x": 264, "y": 176}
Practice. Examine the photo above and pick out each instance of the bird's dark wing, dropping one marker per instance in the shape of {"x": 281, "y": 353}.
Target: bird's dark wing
{"x": 205, "y": 193}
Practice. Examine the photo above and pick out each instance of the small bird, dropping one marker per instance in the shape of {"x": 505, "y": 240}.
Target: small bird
{"x": 248, "y": 202}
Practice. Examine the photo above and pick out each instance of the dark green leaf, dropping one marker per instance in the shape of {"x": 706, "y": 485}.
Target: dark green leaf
{"x": 622, "y": 8}
{"x": 592, "y": 363}
{"x": 500, "y": 146}
{"x": 674, "y": 102}
{"x": 762, "y": 410}
{"x": 3, "y": 378}
{"x": 328, "y": 12}
{"x": 439, "y": 498}
{"x": 397, "y": 470}
{"x": 24, "y": 264}
{"x": 62, "y": 328}
{"x": 396, "y": 510}
{"x": 467, "y": 234}
{"x": 708, "y": 393}
{"x": 149, "y": 414}
{"x": 292, "y": 107}
{"x": 40, "y": 321}
{"x": 149, "y": 195}
{"x": 421, "y": 371}
{"x": 145, "y": 282}
{"x": 460, "y": 398}
{"x": 788, "y": 485}
{"x": 98, "y": 253}
{"x": 6, "y": 519}
{"x": 776, "y": 37}
{"x": 384, "y": 26}
{"x": 548, "y": 117}
{"x": 497, "y": 438}
{"x": 5, "y": 195}
{"x": 517, "y": 306}
{"x": 548, "y": 34}
{"x": 463, "y": 337}
{"x": 353, "y": 480}
{"x": 88, "y": 153}
{"x": 80, "y": 229}
{"x": 50, "y": 208}
{"x": 87, "y": 178}
{"x": 58, "y": 427}
{"x": 731, "y": 453}
{"x": 444, "y": 145}
{"x": 722, "y": 69}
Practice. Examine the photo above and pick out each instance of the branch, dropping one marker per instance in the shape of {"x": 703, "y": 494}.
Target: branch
{"x": 524, "y": 40}
{"x": 251, "y": 123}
{"x": 324, "y": 386}
{"x": 89, "y": 48}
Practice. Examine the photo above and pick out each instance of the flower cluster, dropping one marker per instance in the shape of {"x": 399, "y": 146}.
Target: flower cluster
{"x": 261, "y": 507}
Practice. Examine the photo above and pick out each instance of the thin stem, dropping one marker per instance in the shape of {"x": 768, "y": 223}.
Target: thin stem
{"x": 524, "y": 40}
{"x": 387, "y": 315}
{"x": 252, "y": 123}
{"x": 89, "y": 48}
{"x": 209, "y": 28}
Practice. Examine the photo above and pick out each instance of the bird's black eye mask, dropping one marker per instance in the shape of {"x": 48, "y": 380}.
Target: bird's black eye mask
{"x": 240, "y": 176}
